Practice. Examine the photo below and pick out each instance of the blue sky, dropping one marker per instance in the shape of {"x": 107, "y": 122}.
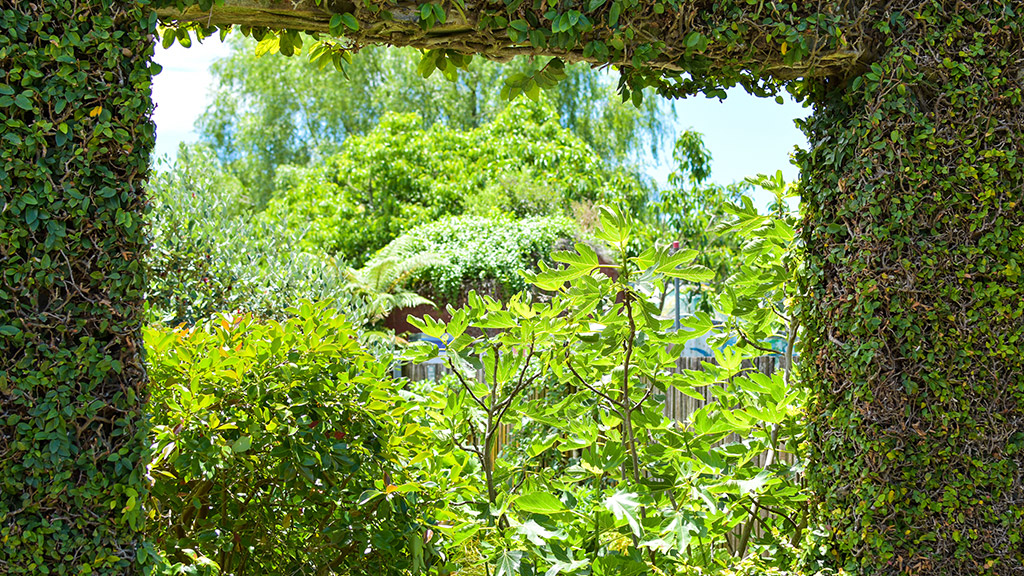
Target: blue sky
{"x": 746, "y": 135}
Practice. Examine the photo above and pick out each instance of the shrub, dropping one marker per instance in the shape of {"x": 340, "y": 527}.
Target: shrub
{"x": 211, "y": 254}
{"x": 482, "y": 253}
{"x": 263, "y": 447}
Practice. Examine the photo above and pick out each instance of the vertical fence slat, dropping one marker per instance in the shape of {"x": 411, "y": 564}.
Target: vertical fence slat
{"x": 677, "y": 406}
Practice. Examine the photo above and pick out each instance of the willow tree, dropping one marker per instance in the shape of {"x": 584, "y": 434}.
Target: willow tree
{"x": 913, "y": 291}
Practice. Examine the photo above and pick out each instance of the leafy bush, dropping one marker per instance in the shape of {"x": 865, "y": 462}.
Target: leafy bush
{"x": 609, "y": 484}
{"x": 482, "y": 253}
{"x": 399, "y": 176}
{"x": 211, "y": 254}
{"x": 264, "y": 449}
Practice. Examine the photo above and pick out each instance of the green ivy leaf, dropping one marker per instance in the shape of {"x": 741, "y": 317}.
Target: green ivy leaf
{"x": 350, "y": 21}
{"x": 613, "y": 14}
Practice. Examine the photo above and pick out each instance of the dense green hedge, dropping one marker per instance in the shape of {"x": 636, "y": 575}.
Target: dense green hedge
{"x": 74, "y": 122}
{"x": 915, "y": 308}
{"x": 477, "y": 253}
{"x": 262, "y": 463}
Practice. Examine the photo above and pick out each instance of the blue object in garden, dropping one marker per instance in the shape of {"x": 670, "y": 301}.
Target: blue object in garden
{"x": 441, "y": 345}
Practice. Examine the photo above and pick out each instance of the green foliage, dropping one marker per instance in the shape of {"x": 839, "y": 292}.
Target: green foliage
{"x": 267, "y": 455}
{"x": 608, "y": 484}
{"x": 913, "y": 296}
{"x": 476, "y": 253}
{"x": 687, "y": 212}
{"x": 678, "y": 48}
{"x": 912, "y": 231}
{"x": 268, "y": 112}
{"x": 212, "y": 254}
{"x": 399, "y": 176}
{"x": 381, "y": 282}
{"x": 76, "y": 135}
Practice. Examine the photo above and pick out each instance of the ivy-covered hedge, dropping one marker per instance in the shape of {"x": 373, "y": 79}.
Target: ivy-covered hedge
{"x": 76, "y": 134}
{"x": 914, "y": 193}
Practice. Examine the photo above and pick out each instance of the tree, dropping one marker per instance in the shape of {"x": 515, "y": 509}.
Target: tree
{"x": 688, "y": 211}
{"x": 211, "y": 253}
{"x": 605, "y": 482}
{"x": 269, "y": 111}
{"x": 400, "y": 175}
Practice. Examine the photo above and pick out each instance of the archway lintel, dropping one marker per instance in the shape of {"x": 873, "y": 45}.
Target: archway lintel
{"x": 755, "y": 53}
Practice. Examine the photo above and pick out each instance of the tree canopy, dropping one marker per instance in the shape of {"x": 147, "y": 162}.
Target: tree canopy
{"x": 400, "y": 175}
{"x": 269, "y": 111}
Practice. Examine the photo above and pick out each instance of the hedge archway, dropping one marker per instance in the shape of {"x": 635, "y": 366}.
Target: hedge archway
{"x": 914, "y": 194}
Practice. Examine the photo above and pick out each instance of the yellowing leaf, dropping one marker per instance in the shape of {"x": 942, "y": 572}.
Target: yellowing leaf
{"x": 95, "y": 111}
{"x": 785, "y": 48}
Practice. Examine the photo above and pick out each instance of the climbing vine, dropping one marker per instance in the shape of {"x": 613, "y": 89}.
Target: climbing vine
{"x": 914, "y": 230}
{"x": 678, "y": 47}
{"x": 74, "y": 122}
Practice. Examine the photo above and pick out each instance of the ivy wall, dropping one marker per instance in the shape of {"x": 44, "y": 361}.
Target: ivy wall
{"x": 76, "y": 135}
{"x": 914, "y": 193}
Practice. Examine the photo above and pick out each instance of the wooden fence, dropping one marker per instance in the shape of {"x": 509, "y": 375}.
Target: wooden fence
{"x": 678, "y": 406}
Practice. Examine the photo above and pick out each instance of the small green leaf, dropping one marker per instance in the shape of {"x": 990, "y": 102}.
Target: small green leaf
{"x": 168, "y": 39}
{"x": 286, "y": 45}
{"x": 269, "y": 45}
{"x": 613, "y": 14}
{"x": 349, "y": 20}
{"x": 241, "y": 445}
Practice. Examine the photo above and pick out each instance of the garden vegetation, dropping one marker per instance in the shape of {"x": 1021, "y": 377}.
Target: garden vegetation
{"x": 908, "y": 453}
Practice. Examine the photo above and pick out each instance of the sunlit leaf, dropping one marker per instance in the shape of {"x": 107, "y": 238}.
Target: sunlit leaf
{"x": 623, "y": 506}
{"x": 539, "y": 503}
